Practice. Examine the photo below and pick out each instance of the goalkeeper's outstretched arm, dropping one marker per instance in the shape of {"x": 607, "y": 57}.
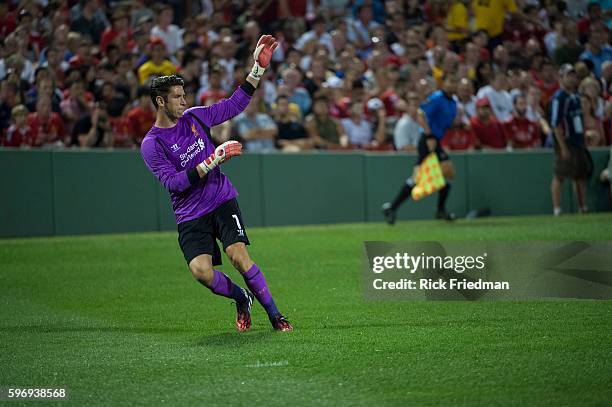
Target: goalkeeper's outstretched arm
{"x": 261, "y": 57}
{"x": 227, "y": 109}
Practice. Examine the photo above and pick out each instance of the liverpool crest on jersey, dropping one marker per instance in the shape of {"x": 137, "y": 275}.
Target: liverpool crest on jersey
{"x": 194, "y": 131}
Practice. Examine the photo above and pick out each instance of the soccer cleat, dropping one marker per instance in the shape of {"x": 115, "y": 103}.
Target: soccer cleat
{"x": 243, "y": 312}
{"x": 280, "y": 323}
{"x": 446, "y": 216}
{"x": 388, "y": 213}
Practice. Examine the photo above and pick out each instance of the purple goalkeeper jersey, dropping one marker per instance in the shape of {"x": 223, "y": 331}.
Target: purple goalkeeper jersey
{"x": 170, "y": 153}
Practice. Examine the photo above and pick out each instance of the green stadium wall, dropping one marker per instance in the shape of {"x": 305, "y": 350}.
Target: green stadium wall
{"x": 47, "y": 192}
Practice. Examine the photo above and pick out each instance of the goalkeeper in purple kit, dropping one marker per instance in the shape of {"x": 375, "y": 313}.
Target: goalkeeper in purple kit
{"x": 178, "y": 150}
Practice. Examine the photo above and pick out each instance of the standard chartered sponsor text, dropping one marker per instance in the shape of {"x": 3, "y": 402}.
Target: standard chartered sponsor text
{"x": 187, "y": 156}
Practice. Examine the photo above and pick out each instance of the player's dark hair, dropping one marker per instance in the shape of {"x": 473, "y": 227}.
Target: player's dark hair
{"x": 161, "y": 85}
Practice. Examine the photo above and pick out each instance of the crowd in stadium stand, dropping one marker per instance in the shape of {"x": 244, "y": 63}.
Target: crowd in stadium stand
{"x": 347, "y": 74}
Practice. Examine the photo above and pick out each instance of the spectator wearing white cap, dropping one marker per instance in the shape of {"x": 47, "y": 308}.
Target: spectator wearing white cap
{"x": 359, "y": 130}
{"x": 465, "y": 99}
{"x": 498, "y": 97}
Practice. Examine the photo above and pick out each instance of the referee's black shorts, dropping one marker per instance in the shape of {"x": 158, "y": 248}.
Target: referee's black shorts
{"x": 199, "y": 236}
{"x": 424, "y": 151}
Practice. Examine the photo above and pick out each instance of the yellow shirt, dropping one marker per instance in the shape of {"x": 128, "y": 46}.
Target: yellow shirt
{"x": 149, "y": 68}
{"x": 437, "y": 74}
{"x": 489, "y": 14}
{"x": 457, "y": 19}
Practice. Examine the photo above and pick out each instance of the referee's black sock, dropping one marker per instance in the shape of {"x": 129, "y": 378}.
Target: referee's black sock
{"x": 403, "y": 195}
{"x": 442, "y": 197}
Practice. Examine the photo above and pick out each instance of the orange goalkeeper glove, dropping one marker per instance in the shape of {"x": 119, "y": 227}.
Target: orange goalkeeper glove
{"x": 262, "y": 55}
{"x": 222, "y": 154}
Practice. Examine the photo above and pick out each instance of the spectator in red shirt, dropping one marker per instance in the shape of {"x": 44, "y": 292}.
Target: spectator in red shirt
{"x": 77, "y": 103}
{"x": 460, "y": 136}
{"x": 339, "y": 106}
{"x": 142, "y": 116}
{"x": 489, "y": 132}
{"x": 84, "y": 54}
{"x": 121, "y": 129}
{"x": 481, "y": 39}
{"x": 293, "y": 8}
{"x": 8, "y": 22}
{"x": 388, "y": 89}
{"x": 215, "y": 91}
{"x": 522, "y": 132}
{"x": 47, "y": 126}
{"x": 119, "y": 32}
{"x": 19, "y": 133}
{"x": 593, "y": 14}
{"x": 531, "y": 25}
{"x": 435, "y": 12}
{"x": 546, "y": 80}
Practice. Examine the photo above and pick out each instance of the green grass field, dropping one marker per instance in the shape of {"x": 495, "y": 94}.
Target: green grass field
{"x": 120, "y": 321}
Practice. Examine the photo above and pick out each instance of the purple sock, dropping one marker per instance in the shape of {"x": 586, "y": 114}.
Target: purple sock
{"x": 256, "y": 282}
{"x": 223, "y": 285}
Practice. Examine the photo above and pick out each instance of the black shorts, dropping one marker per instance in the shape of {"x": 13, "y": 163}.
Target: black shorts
{"x": 199, "y": 236}
{"x": 579, "y": 165}
{"x": 424, "y": 151}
